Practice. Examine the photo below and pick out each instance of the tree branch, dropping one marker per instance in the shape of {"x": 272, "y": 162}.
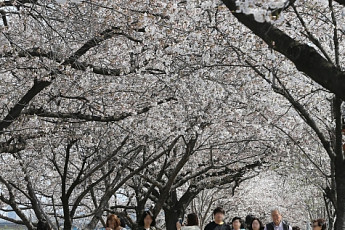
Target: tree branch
{"x": 86, "y": 117}
{"x": 304, "y": 57}
{"x": 104, "y": 35}
{"x": 14, "y": 113}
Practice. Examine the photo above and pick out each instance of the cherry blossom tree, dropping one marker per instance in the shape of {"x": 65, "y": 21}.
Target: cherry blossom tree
{"x": 98, "y": 98}
{"x": 298, "y": 36}
{"x": 89, "y": 102}
{"x": 173, "y": 184}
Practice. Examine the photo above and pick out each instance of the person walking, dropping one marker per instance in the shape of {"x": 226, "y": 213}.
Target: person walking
{"x": 256, "y": 224}
{"x": 277, "y": 222}
{"x": 218, "y": 223}
{"x": 148, "y": 221}
{"x": 192, "y": 223}
{"x": 237, "y": 223}
{"x": 248, "y": 221}
{"x": 113, "y": 222}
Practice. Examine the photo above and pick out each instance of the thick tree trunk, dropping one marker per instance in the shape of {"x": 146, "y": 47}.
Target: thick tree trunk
{"x": 177, "y": 207}
{"x": 339, "y": 166}
{"x": 172, "y": 213}
{"x": 171, "y": 217}
{"x": 340, "y": 181}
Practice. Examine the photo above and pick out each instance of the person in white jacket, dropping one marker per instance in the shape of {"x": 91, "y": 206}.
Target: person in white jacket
{"x": 192, "y": 223}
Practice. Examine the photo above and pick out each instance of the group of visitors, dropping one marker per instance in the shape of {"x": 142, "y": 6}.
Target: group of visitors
{"x": 147, "y": 222}
{"x": 253, "y": 223}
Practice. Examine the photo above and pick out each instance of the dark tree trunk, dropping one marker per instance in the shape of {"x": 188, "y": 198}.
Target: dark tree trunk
{"x": 171, "y": 217}
{"x": 67, "y": 220}
{"x": 339, "y": 167}
{"x": 340, "y": 181}
{"x": 174, "y": 211}
{"x": 177, "y": 207}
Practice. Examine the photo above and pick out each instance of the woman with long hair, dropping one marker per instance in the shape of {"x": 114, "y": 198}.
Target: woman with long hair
{"x": 147, "y": 221}
{"x": 192, "y": 223}
{"x": 113, "y": 222}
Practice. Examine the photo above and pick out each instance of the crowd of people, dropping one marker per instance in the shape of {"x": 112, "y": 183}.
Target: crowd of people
{"x": 147, "y": 222}
{"x": 250, "y": 223}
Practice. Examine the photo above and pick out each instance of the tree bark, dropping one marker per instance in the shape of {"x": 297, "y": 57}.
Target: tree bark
{"x": 15, "y": 112}
{"x": 172, "y": 211}
{"x": 340, "y": 181}
{"x": 171, "y": 217}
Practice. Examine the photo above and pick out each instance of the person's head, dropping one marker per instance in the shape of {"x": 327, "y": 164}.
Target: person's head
{"x": 192, "y": 219}
{"x": 43, "y": 225}
{"x": 296, "y": 228}
{"x": 147, "y": 219}
{"x": 113, "y": 222}
{"x": 237, "y": 223}
{"x": 319, "y": 224}
{"x": 249, "y": 219}
{"x": 276, "y": 216}
{"x": 218, "y": 214}
{"x": 256, "y": 224}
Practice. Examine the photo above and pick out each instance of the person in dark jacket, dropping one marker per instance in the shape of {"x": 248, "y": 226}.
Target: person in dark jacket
{"x": 278, "y": 223}
{"x": 218, "y": 223}
{"x": 248, "y": 221}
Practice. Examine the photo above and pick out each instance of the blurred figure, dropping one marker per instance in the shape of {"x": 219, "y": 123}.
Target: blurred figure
{"x": 319, "y": 224}
{"x": 237, "y": 223}
{"x": 248, "y": 221}
{"x": 113, "y": 222}
{"x": 147, "y": 221}
{"x": 192, "y": 223}
{"x": 256, "y": 224}
{"x": 218, "y": 223}
{"x": 278, "y": 223}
